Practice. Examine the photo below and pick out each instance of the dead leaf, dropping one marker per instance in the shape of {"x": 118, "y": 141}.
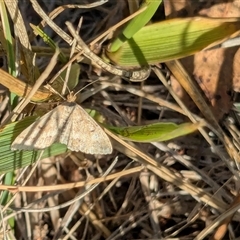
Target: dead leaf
{"x": 216, "y": 71}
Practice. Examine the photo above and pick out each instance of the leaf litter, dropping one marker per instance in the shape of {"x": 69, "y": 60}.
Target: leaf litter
{"x": 140, "y": 205}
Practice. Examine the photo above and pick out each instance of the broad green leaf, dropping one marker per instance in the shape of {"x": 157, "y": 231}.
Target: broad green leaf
{"x": 136, "y": 23}
{"x": 173, "y": 39}
{"x": 156, "y": 132}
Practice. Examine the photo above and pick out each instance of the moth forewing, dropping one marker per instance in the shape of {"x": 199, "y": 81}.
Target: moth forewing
{"x": 39, "y": 135}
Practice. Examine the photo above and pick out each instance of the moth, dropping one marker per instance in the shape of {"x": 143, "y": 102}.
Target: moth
{"x": 68, "y": 124}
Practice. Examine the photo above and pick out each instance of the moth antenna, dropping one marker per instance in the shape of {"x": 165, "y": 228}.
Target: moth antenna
{"x": 89, "y": 84}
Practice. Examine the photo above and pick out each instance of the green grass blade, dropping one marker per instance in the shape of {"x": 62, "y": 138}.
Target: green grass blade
{"x": 8, "y": 180}
{"x": 136, "y": 23}
{"x": 173, "y": 39}
{"x": 156, "y": 132}
{"x": 48, "y": 41}
{"x": 8, "y": 39}
{"x": 8, "y": 46}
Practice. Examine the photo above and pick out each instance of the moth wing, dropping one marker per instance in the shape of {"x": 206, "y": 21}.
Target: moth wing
{"x": 83, "y": 134}
{"x": 42, "y": 133}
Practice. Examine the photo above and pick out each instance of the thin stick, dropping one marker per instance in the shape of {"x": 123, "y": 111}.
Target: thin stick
{"x": 65, "y": 85}
{"x": 60, "y": 9}
{"x": 134, "y": 75}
